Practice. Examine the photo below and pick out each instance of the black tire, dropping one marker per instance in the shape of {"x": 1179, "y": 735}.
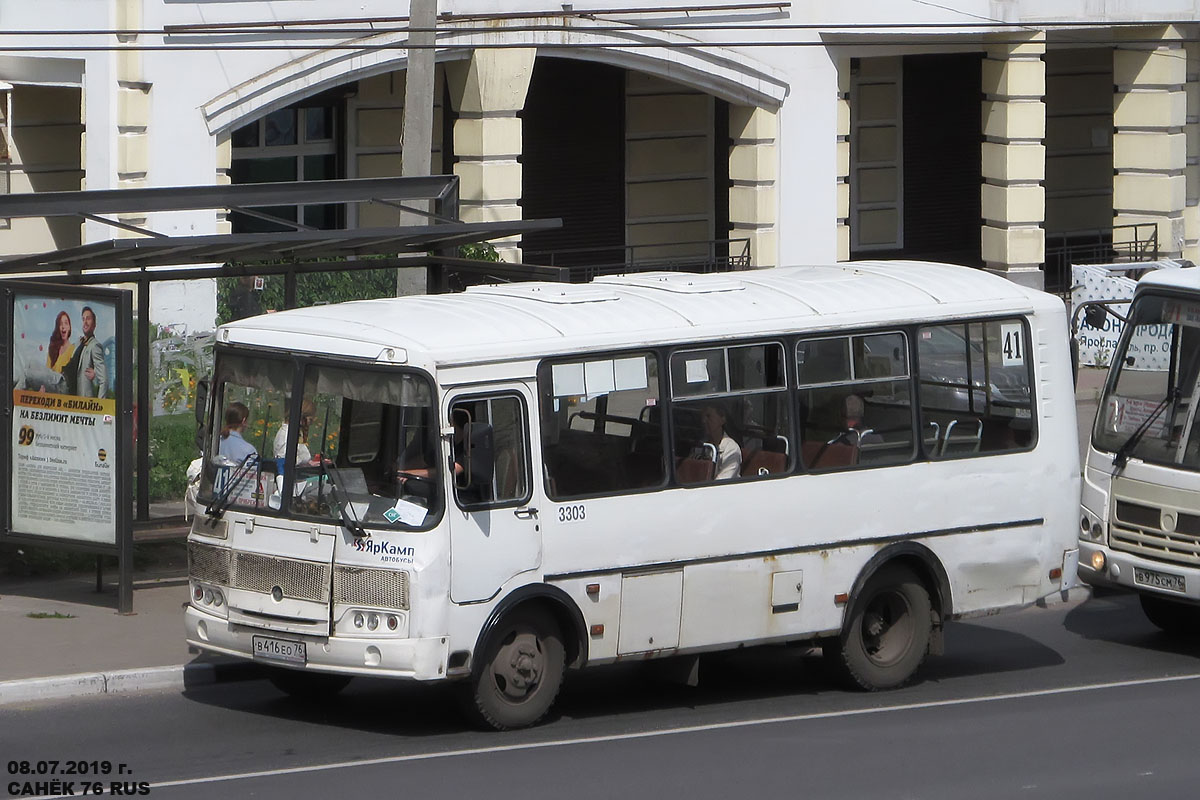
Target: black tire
{"x": 1170, "y": 616}
{"x": 886, "y": 635}
{"x": 518, "y": 672}
{"x": 304, "y": 685}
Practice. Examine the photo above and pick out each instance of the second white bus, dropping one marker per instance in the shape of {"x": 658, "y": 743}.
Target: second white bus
{"x": 493, "y": 486}
{"x": 1140, "y": 522}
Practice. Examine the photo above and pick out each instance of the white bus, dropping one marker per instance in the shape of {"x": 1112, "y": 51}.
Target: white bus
{"x": 1141, "y": 493}
{"x": 492, "y": 486}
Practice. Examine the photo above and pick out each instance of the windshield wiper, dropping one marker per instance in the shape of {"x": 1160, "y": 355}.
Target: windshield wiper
{"x": 1121, "y": 457}
{"x": 345, "y": 510}
{"x": 221, "y": 502}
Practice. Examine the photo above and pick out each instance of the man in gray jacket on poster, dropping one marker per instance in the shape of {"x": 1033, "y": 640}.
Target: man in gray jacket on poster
{"x": 88, "y": 366}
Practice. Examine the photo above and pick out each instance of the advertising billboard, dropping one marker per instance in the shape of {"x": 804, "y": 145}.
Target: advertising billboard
{"x": 68, "y": 350}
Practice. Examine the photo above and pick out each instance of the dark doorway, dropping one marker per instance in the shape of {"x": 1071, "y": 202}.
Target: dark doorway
{"x": 573, "y": 162}
{"x": 942, "y": 136}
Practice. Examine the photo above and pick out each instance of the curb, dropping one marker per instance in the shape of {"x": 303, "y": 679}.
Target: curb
{"x": 125, "y": 681}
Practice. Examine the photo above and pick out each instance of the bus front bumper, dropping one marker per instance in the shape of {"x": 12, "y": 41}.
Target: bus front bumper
{"x": 1127, "y": 571}
{"x": 415, "y": 659}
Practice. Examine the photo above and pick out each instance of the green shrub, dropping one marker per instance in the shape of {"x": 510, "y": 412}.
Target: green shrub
{"x": 172, "y": 448}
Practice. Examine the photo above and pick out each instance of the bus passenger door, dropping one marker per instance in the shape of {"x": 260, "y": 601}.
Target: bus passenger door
{"x": 494, "y": 528}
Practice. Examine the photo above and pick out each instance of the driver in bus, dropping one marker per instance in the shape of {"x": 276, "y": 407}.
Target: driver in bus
{"x": 420, "y": 459}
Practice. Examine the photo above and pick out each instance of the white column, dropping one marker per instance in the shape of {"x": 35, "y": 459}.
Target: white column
{"x": 488, "y": 91}
{"x": 1191, "y": 211}
{"x": 1149, "y": 147}
{"x": 133, "y": 111}
{"x": 1013, "y": 239}
{"x": 843, "y": 160}
{"x": 753, "y": 167}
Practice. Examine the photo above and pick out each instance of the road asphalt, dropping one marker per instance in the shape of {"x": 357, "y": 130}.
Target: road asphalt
{"x": 61, "y": 638}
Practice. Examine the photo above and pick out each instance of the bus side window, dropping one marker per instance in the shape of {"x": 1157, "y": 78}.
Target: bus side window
{"x": 855, "y": 401}
{"x": 730, "y": 413}
{"x": 974, "y": 387}
{"x": 490, "y": 451}
{"x": 602, "y": 430}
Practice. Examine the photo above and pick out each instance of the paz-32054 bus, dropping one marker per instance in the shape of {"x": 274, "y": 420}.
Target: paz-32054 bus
{"x": 492, "y": 486}
{"x": 1141, "y": 494}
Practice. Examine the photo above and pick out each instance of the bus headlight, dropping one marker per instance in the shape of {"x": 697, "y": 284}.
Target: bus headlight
{"x": 1098, "y": 560}
{"x": 209, "y": 599}
{"x": 365, "y": 622}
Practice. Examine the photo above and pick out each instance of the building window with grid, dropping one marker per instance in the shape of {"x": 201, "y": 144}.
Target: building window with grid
{"x": 297, "y": 143}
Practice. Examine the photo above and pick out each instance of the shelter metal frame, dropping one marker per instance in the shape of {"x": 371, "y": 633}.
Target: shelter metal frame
{"x": 291, "y": 251}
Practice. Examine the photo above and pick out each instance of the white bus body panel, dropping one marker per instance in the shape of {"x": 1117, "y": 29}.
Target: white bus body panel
{"x": 689, "y": 569}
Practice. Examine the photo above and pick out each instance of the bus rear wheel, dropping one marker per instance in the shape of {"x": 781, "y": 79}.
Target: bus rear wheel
{"x": 307, "y": 685}
{"x": 1169, "y": 616}
{"x": 519, "y": 673}
{"x": 886, "y": 636}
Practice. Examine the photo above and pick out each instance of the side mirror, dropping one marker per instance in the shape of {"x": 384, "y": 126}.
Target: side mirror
{"x": 201, "y": 404}
{"x": 201, "y": 408}
{"x": 1095, "y": 316}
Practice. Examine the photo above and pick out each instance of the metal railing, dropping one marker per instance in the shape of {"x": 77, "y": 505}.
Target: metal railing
{"x": 585, "y": 263}
{"x": 1120, "y": 243}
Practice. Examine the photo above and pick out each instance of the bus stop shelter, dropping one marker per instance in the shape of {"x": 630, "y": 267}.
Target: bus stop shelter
{"x": 145, "y": 256}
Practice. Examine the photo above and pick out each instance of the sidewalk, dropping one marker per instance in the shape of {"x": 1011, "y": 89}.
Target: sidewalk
{"x": 63, "y": 639}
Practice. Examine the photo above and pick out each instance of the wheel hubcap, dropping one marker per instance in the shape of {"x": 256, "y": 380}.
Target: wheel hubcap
{"x": 887, "y": 628}
{"x": 518, "y": 666}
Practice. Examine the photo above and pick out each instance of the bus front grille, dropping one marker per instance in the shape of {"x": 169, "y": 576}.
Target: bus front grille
{"x": 208, "y": 564}
{"x": 1141, "y": 530}
{"x": 298, "y": 580}
{"x": 375, "y": 588}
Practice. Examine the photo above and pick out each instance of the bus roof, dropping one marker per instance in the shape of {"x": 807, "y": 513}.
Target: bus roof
{"x": 532, "y": 320}
{"x": 1187, "y": 278}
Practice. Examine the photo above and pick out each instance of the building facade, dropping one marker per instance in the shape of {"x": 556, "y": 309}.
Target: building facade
{"x": 987, "y": 133}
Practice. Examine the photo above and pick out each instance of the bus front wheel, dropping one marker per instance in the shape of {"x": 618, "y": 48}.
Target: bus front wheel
{"x": 1180, "y": 619}
{"x": 886, "y": 636}
{"x": 520, "y": 671}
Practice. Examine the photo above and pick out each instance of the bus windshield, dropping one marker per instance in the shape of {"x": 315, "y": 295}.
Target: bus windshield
{"x": 360, "y": 447}
{"x": 1149, "y": 407}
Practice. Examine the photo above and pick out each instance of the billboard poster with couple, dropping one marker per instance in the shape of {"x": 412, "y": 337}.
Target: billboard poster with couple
{"x": 64, "y": 417}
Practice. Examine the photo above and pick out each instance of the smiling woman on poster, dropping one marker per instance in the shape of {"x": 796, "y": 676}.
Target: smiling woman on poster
{"x": 61, "y": 349}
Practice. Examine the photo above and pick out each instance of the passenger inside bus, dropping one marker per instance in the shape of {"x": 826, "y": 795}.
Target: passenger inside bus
{"x": 729, "y": 454}
{"x": 233, "y": 446}
{"x": 308, "y": 413}
{"x": 855, "y": 409}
